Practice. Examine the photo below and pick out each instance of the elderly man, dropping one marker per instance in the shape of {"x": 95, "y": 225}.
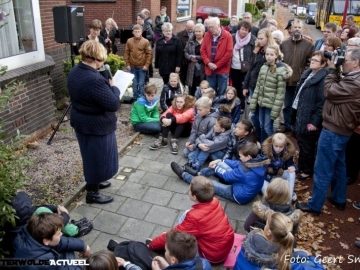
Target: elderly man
{"x": 184, "y": 36}
{"x": 297, "y": 54}
{"x": 247, "y": 17}
{"x": 329, "y": 31}
{"x": 341, "y": 114}
{"x": 216, "y": 52}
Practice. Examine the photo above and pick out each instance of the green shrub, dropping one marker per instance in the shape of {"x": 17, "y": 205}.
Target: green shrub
{"x": 260, "y": 5}
{"x": 224, "y": 21}
{"x": 13, "y": 163}
{"x": 257, "y": 11}
{"x": 249, "y": 7}
{"x": 301, "y": 16}
{"x": 115, "y": 62}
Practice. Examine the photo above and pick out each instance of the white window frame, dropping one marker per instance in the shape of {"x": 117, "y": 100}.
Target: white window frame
{"x": 188, "y": 17}
{"x": 25, "y": 59}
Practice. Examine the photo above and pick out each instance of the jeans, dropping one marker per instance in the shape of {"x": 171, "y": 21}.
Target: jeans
{"x": 138, "y": 81}
{"x": 198, "y": 157}
{"x": 218, "y": 82}
{"x": 223, "y": 190}
{"x": 266, "y": 124}
{"x": 288, "y": 101}
{"x": 148, "y": 128}
{"x": 330, "y": 169}
{"x": 289, "y": 177}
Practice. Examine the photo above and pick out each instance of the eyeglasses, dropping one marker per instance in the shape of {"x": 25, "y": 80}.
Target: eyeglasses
{"x": 327, "y": 44}
{"x": 315, "y": 60}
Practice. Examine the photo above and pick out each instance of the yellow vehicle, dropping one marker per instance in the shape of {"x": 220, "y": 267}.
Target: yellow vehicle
{"x": 332, "y": 11}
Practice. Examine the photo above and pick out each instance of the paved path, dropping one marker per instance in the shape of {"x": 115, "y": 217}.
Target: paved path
{"x": 148, "y": 200}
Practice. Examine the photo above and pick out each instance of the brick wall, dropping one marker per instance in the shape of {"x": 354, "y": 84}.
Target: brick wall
{"x": 32, "y": 108}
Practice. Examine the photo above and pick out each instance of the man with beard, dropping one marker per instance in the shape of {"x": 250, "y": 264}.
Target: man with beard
{"x": 297, "y": 54}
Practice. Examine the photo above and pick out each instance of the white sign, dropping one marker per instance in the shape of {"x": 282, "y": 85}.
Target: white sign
{"x": 122, "y": 81}
{"x": 183, "y": 2}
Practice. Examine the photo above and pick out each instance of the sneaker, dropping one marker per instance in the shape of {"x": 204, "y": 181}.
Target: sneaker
{"x": 148, "y": 241}
{"x": 161, "y": 142}
{"x": 174, "y": 146}
{"x": 177, "y": 169}
{"x": 79, "y": 222}
{"x": 84, "y": 229}
{"x": 294, "y": 197}
{"x": 356, "y": 205}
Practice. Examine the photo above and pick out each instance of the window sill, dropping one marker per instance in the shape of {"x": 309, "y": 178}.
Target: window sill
{"x": 182, "y": 19}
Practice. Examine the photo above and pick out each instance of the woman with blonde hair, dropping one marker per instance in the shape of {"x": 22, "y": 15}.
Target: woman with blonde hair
{"x": 95, "y": 101}
{"x": 272, "y": 248}
{"x": 276, "y": 199}
{"x": 109, "y": 33}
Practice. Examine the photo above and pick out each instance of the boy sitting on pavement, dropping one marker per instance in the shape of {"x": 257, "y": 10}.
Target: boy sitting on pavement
{"x": 42, "y": 239}
{"x": 206, "y": 220}
{"x": 243, "y": 178}
{"x": 204, "y": 122}
{"x": 213, "y": 143}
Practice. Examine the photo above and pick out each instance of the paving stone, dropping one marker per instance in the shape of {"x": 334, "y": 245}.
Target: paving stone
{"x": 85, "y": 210}
{"x": 157, "y": 196}
{"x": 176, "y": 185}
{"x": 166, "y": 170}
{"x": 234, "y": 224}
{"x": 161, "y": 215}
{"x": 102, "y": 241}
{"x": 134, "y": 208}
{"x": 180, "y": 201}
{"x": 129, "y": 161}
{"x": 115, "y": 186}
{"x": 146, "y": 153}
{"x": 166, "y": 157}
{"x": 108, "y": 222}
{"x": 238, "y": 212}
{"x": 90, "y": 237}
{"x": 137, "y": 230}
{"x": 114, "y": 205}
{"x": 159, "y": 230}
{"x": 136, "y": 176}
{"x": 154, "y": 179}
{"x": 134, "y": 151}
{"x": 132, "y": 190}
{"x": 151, "y": 166}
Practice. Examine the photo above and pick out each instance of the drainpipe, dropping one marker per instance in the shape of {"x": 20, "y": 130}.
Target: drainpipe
{"x": 229, "y": 13}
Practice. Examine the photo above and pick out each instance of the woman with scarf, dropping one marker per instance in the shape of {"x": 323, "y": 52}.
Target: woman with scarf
{"x": 244, "y": 44}
{"x": 159, "y": 21}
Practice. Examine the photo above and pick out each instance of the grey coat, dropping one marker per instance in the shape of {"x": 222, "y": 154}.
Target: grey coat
{"x": 215, "y": 141}
{"x": 202, "y": 125}
{"x": 190, "y": 50}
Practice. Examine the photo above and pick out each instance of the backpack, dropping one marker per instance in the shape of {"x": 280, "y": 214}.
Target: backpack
{"x": 133, "y": 251}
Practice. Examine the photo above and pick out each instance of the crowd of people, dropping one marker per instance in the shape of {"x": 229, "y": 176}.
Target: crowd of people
{"x": 313, "y": 85}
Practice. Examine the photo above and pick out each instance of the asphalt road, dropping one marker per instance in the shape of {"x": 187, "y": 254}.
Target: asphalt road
{"x": 311, "y": 30}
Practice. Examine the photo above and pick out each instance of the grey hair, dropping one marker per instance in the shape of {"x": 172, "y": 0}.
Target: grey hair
{"x": 356, "y": 40}
{"x": 355, "y": 54}
{"x": 200, "y": 26}
{"x": 298, "y": 21}
{"x": 167, "y": 26}
{"x": 350, "y": 17}
{"x": 214, "y": 19}
{"x": 248, "y": 13}
{"x": 279, "y": 34}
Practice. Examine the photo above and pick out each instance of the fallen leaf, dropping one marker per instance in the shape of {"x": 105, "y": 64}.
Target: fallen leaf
{"x": 350, "y": 219}
{"x": 344, "y": 246}
{"x": 78, "y": 204}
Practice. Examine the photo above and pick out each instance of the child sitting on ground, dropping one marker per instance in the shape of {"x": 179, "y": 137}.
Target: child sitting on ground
{"x": 170, "y": 91}
{"x": 276, "y": 199}
{"x": 272, "y": 248}
{"x": 144, "y": 114}
{"x": 244, "y": 132}
{"x": 178, "y": 119}
{"x": 213, "y": 143}
{"x": 199, "y": 91}
{"x": 204, "y": 122}
{"x": 42, "y": 239}
{"x": 206, "y": 220}
{"x": 232, "y": 101}
{"x": 280, "y": 150}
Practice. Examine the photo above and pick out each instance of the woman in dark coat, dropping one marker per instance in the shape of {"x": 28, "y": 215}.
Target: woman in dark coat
{"x": 169, "y": 53}
{"x": 195, "y": 72}
{"x": 109, "y": 33}
{"x": 307, "y": 112}
{"x": 94, "y": 103}
{"x": 159, "y": 21}
{"x": 244, "y": 45}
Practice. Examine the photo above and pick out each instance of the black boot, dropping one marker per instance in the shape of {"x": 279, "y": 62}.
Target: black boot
{"x": 94, "y": 196}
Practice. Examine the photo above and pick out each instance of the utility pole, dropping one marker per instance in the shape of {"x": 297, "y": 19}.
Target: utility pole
{"x": 345, "y": 13}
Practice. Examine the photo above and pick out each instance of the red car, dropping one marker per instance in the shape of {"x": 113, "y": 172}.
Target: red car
{"x": 203, "y": 12}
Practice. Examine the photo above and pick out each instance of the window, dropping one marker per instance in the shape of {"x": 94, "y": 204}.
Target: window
{"x": 207, "y": 9}
{"x": 21, "y": 35}
{"x": 184, "y": 9}
{"x": 218, "y": 11}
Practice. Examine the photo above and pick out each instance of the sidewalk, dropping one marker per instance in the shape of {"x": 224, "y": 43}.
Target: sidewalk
{"x": 148, "y": 200}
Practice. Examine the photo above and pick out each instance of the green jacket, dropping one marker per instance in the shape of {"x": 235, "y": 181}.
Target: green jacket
{"x": 270, "y": 88}
{"x": 144, "y": 111}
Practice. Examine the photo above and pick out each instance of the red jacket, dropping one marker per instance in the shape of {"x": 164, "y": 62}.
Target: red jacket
{"x": 223, "y": 53}
{"x": 210, "y": 225}
{"x": 181, "y": 117}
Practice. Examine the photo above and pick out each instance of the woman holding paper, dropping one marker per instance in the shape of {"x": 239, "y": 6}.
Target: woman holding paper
{"x": 94, "y": 103}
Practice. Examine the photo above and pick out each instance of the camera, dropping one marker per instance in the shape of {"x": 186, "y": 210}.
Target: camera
{"x": 339, "y": 54}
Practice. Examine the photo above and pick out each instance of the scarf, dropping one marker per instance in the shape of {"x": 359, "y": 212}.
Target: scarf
{"x": 162, "y": 17}
{"x": 240, "y": 43}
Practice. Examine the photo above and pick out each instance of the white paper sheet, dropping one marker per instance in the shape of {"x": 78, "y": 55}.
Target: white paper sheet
{"x": 122, "y": 80}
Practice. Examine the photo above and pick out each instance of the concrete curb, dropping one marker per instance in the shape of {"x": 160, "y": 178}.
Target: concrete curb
{"x": 67, "y": 202}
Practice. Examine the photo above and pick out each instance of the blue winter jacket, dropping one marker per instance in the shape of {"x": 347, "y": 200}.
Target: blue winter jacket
{"x": 246, "y": 178}
{"x": 190, "y": 265}
{"x": 26, "y": 247}
{"x": 235, "y": 112}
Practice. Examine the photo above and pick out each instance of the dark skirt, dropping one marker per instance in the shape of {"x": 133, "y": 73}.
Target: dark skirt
{"x": 99, "y": 155}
